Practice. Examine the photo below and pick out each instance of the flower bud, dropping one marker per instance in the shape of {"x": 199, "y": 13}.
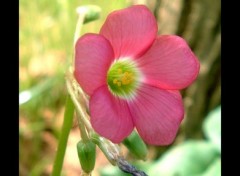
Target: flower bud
{"x": 87, "y": 155}
{"x": 136, "y": 146}
{"x": 92, "y": 12}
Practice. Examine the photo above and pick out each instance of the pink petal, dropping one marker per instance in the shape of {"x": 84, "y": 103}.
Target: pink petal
{"x": 157, "y": 114}
{"x": 169, "y": 63}
{"x": 131, "y": 31}
{"x": 94, "y": 55}
{"x": 110, "y": 116}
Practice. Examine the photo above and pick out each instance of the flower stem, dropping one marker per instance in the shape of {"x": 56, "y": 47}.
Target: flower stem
{"x": 78, "y": 99}
{"x": 82, "y": 128}
{"x": 67, "y": 125}
{"x": 81, "y": 16}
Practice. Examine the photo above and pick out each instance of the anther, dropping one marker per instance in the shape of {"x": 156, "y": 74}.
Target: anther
{"x": 119, "y": 84}
{"x": 115, "y": 81}
{"x": 120, "y": 71}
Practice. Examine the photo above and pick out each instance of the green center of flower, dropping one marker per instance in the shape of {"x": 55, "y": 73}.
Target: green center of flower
{"x": 123, "y": 77}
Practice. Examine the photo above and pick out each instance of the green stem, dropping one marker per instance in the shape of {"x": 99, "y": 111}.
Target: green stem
{"x": 81, "y": 17}
{"x": 71, "y": 83}
{"x": 80, "y": 21}
{"x": 82, "y": 128}
{"x": 67, "y": 125}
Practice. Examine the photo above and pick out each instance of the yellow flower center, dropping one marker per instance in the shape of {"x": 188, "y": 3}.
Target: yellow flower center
{"x": 122, "y": 78}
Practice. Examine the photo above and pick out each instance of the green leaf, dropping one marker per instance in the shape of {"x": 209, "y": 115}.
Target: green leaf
{"x": 187, "y": 159}
{"x": 214, "y": 169}
{"x": 212, "y": 127}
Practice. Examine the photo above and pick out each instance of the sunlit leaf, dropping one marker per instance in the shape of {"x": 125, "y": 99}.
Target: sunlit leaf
{"x": 187, "y": 159}
{"x": 212, "y": 127}
{"x": 214, "y": 169}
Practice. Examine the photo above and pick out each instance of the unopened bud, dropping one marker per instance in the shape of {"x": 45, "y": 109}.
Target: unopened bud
{"x": 91, "y": 12}
{"x": 87, "y": 155}
{"x": 136, "y": 146}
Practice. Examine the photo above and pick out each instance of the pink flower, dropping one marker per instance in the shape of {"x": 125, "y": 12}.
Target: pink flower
{"x": 133, "y": 77}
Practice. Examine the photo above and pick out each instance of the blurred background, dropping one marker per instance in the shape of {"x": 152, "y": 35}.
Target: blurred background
{"x": 46, "y": 45}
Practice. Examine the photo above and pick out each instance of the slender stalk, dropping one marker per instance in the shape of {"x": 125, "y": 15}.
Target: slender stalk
{"x": 67, "y": 125}
{"x": 68, "y": 116}
{"x": 74, "y": 93}
{"x": 82, "y": 128}
{"x": 81, "y": 17}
